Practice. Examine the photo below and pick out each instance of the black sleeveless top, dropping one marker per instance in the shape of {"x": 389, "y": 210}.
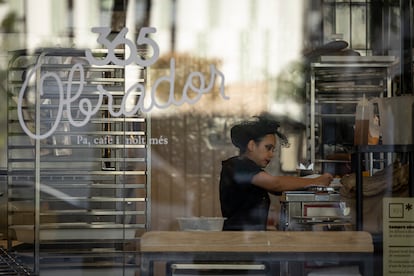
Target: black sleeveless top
{"x": 244, "y": 205}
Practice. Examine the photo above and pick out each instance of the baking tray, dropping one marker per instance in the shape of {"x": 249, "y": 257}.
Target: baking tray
{"x": 75, "y": 231}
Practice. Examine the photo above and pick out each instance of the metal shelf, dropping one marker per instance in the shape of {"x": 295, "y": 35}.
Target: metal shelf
{"x": 61, "y": 184}
{"x": 335, "y": 86}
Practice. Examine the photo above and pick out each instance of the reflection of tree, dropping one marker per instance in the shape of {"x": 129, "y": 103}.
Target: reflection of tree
{"x": 184, "y": 65}
{"x": 119, "y": 10}
{"x": 291, "y": 82}
{"x": 8, "y": 23}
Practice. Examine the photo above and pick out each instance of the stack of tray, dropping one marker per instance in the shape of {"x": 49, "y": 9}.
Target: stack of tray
{"x": 9, "y": 265}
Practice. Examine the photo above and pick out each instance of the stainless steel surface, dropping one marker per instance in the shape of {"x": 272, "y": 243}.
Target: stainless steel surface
{"x": 219, "y": 269}
{"x": 339, "y": 82}
{"x": 302, "y": 196}
{"x": 75, "y": 232}
{"x": 10, "y": 265}
{"x": 84, "y": 190}
{"x": 3, "y": 204}
{"x": 302, "y": 210}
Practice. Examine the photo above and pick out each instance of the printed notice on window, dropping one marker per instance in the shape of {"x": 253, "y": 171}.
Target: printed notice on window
{"x": 398, "y": 236}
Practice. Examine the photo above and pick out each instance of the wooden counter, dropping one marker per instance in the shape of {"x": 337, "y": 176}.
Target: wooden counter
{"x": 259, "y": 246}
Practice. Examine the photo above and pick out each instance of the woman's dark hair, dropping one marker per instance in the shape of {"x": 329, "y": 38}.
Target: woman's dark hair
{"x": 255, "y": 129}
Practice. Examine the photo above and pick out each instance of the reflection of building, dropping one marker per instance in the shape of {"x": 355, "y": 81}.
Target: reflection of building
{"x": 256, "y": 44}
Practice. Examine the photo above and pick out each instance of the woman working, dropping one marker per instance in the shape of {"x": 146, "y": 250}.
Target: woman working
{"x": 244, "y": 185}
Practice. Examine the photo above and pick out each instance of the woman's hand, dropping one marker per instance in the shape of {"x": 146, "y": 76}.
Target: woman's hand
{"x": 325, "y": 179}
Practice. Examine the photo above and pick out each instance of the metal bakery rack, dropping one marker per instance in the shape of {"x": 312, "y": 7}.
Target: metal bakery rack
{"x": 336, "y": 84}
{"x": 10, "y": 265}
{"x": 78, "y": 199}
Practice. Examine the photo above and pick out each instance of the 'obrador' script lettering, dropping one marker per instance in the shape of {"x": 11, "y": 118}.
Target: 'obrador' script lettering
{"x": 146, "y": 101}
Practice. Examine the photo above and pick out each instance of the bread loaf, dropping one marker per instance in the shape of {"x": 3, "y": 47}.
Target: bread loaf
{"x": 393, "y": 178}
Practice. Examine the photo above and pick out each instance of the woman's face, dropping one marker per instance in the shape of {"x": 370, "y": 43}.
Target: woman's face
{"x": 262, "y": 152}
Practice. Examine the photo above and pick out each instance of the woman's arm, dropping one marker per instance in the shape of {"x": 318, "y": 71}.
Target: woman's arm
{"x": 288, "y": 183}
